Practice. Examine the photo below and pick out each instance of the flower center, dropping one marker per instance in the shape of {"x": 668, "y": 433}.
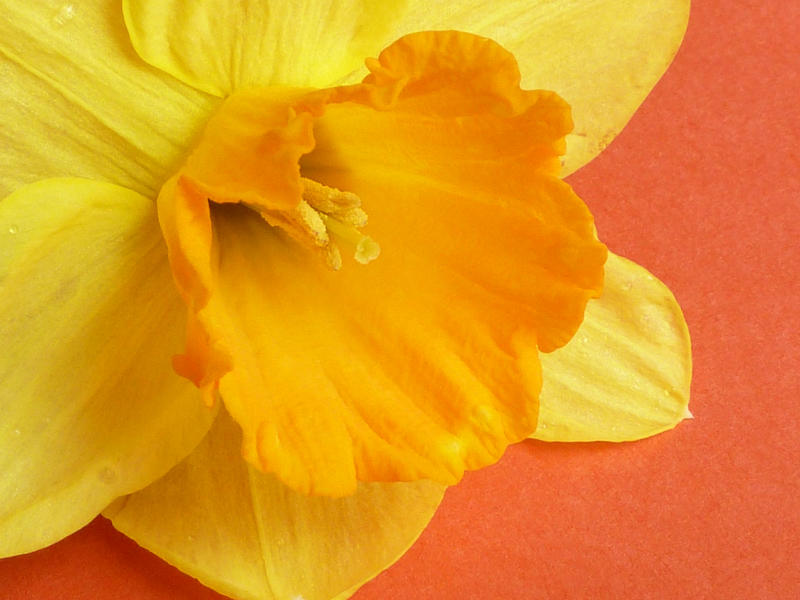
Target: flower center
{"x": 331, "y": 219}
{"x": 249, "y": 153}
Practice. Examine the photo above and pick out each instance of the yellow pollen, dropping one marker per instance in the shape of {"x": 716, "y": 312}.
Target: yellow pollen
{"x": 332, "y": 218}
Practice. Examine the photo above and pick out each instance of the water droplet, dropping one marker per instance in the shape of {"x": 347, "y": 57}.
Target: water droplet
{"x": 189, "y": 538}
{"x": 65, "y": 14}
{"x": 17, "y": 432}
{"x": 12, "y": 229}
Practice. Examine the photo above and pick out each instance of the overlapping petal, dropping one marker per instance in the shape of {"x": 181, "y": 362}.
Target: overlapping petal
{"x": 220, "y": 46}
{"x": 89, "y": 319}
{"x": 246, "y": 535}
{"x": 423, "y": 363}
{"x": 78, "y": 101}
{"x": 460, "y": 167}
{"x": 111, "y": 118}
{"x": 626, "y": 374}
{"x": 602, "y": 56}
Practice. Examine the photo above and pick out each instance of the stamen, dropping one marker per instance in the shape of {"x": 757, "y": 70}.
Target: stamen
{"x": 332, "y": 218}
{"x": 313, "y": 222}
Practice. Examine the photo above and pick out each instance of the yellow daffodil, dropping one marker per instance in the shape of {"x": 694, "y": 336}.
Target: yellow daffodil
{"x": 260, "y": 305}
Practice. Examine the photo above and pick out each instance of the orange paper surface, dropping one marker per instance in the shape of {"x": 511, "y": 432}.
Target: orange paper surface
{"x": 703, "y": 188}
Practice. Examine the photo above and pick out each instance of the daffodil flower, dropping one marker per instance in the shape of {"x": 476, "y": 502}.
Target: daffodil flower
{"x": 261, "y": 307}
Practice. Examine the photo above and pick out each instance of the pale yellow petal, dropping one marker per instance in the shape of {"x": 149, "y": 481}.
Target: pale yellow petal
{"x": 89, "y": 320}
{"x": 78, "y": 101}
{"x": 219, "y": 46}
{"x": 602, "y": 56}
{"x": 244, "y": 534}
{"x": 626, "y": 373}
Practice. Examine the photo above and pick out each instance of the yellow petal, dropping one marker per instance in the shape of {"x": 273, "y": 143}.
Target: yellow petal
{"x": 422, "y": 363}
{"x": 626, "y": 373}
{"x": 78, "y": 101}
{"x": 603, "y": 57}
{"x": 246, "y": 535}
{"x": 219, "y": 46}
{"x": 88, "y": 317}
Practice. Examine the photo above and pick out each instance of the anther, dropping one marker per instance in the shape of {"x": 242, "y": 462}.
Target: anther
{"x": 333, "y": 218}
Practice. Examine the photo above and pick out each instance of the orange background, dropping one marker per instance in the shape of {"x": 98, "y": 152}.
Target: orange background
{"x": 703, "y": 188}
